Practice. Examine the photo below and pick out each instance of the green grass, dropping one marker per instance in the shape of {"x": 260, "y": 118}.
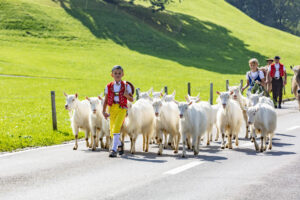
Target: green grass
{"x": 195, "y": 41}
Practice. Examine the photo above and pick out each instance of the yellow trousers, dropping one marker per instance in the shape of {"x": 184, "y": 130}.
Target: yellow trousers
{"x": 117, "y": 117}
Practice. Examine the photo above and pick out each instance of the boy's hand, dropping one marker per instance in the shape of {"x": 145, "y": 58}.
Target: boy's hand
{"x": 105, "y": 114}
{"x": 126, "y": 94}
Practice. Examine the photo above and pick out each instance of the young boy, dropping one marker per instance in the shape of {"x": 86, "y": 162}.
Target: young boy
{"x": 116, "y": 95}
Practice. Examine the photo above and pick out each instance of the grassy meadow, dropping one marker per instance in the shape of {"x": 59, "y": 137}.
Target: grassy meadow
{"x": 71, "y": 46}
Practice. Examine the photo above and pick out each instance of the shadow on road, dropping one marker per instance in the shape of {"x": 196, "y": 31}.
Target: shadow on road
{"x": 279, "y": 153}
{"x": 280, "y": 144}
{"x": 286, "y": 135}
{"x": 145, "y": 157}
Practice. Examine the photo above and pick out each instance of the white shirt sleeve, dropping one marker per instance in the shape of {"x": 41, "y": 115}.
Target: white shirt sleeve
{"x": 261, "y": 74}
{"x": 247, "y": 76}
{"x": 106, "y": 91}
{"x": 269, "y": 68}
{"x": 128, "y": 88}
{"x": 284, "y": 68}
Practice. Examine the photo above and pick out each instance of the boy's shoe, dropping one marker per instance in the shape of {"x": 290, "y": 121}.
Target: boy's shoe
{"x": 112, "y": 154}
{"x": 279, "y": 106}
{"x": 121, "y": 149}
{"x": 275, "y": 106}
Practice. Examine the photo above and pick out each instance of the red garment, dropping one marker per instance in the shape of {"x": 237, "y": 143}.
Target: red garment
{"x": 273, "y": 70}
{"x": 111, "y": 95}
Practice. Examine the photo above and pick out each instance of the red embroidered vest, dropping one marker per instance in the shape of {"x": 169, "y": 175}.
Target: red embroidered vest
{"x": 111, "y": 95}
{"x": 273, "y": 70}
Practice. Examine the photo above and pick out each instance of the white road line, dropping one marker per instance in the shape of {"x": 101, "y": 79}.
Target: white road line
{"x": 38, "y": 148}
{"x": 292, "y": 128}
{"x": 184, "y": 167}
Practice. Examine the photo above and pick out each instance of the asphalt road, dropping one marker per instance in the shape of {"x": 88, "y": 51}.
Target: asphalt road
{"x": 58, "y": 172}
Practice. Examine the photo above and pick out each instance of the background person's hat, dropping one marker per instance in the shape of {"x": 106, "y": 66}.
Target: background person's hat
{"x": 277, "y": 57}
{"x": 269, "y": 59}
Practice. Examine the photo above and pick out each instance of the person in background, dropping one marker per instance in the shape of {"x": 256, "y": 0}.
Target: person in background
{"x": 254, "y": 76}
{"x": 277, "y": 76}
{"x": 268, "y": 86}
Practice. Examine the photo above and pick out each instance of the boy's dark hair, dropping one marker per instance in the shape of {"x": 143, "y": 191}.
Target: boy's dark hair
{"x": 116, "y": 67}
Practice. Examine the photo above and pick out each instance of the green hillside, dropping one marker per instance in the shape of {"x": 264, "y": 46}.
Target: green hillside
{"x": 71, "y": 45}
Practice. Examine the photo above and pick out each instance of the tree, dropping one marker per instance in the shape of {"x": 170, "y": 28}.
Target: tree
{"x": 281, "y": 14}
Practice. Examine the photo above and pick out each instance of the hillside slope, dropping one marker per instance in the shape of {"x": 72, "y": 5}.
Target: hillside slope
{"x": 71, "y": 45}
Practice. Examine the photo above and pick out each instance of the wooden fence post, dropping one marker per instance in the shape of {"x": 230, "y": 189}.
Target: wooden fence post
{"x": 189, "y": 88}
{"x": 211, "y": 96}
{"x": 54, "y": 121}
{"x": 227, "y": 85}
{"x": 137, "y": 93}
{"x": 242, "y": 85}
{"x": 166, "y": 90}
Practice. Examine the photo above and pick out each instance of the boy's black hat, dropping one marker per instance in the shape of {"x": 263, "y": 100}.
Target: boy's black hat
{"x": 117, "y": 67}
{"x": 277, "y": 57}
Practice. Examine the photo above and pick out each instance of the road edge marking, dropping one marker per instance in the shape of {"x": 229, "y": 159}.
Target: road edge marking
{"x": 35, "y": 149}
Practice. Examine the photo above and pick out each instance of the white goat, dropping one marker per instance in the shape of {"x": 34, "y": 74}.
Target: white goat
{"x": 208, "y": 113}
{"x": 79, "y": 114}
{"x": 193, "y": 123}
{"x": 264, "y": 119}
{"x": 254, "y": 98}
{"x": 229, "y": 118}
{"x": 98, "y": 124}
{"x": 243, "y": 102}
{"x": 169, "y": 98}
{"x": 167, "y": 115}
{"x": 266, "y": 100}
{"x": 145, "y": 95}
{"x": 140, "y": 119}
{"x": 157, "y": 94}
{"x": 215, "y": 109}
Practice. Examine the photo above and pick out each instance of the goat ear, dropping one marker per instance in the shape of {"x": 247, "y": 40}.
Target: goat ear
{"x": 248, "y": 94}
{"x": 176, "y": 102}
{"x": 174, "y": 93}
{"x": 162, "y": 90}
{"x": 198, "y": 96}
{"x": 149, "y": 91}
{"x": 231, "y": 93}
{"x": 261, "y": 94}
{"x": 187, "y": 98}
{"x": 76, "y": 95}
{"x": 218, "y": 93}
{"x": 161, "y": 94}
{"x": 100, "y": 98}
{"x": 190, "y": 103}
{"x": 198, "y": 100}
{"x": 164, "y": 96}
{"x": 65, "y": 94}
{"x": 102, "y": 95}
{"x": 87, "y": 98}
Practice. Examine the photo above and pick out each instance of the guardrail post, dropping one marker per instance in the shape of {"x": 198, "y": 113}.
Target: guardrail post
{"x": 54, "y": 121}
{"x": 211, "y": 96}
{"x": 227, "y": 85}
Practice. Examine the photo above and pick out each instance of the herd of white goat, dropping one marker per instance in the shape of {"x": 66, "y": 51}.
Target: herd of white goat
{"x": 164, "y": 121}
